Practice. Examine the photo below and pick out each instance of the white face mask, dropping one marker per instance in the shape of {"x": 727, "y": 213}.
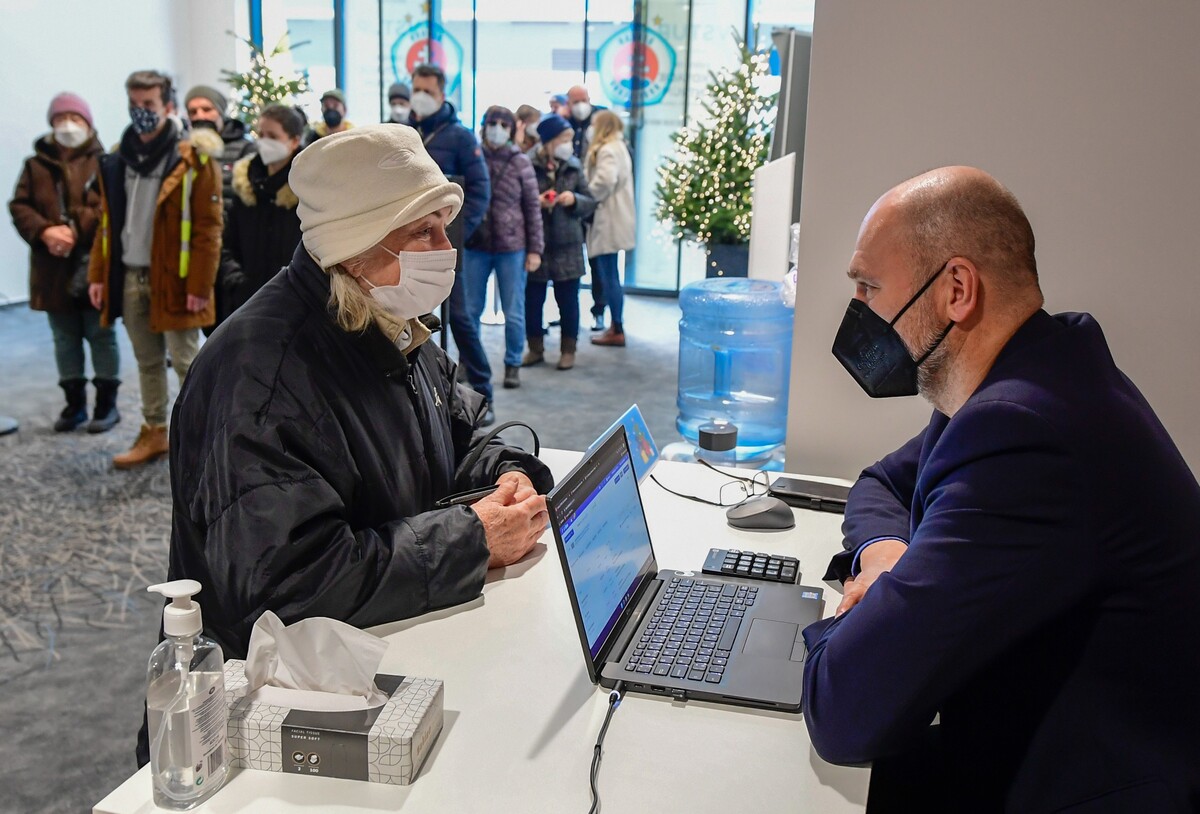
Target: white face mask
{"x": 581, "y": 110}
{"x": 564, "y": 151}
{"x": 400, "y": 114}
{"x": 272, "y": 151}
{"x": 70, "y": 135}
{"x": 425, "y": 282}
{"x": 424, "y": 105}
{"x": 496, "y": 134}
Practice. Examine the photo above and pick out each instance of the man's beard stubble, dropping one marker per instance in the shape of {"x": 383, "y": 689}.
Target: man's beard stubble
{"x": 934, "y": 371}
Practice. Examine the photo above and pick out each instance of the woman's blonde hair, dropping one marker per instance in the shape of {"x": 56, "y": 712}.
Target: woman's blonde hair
{"x": 354, "y": 309}
{"x": 608, "y": 128}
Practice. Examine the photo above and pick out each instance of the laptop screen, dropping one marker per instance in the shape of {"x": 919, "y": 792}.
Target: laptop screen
{"x": 598, "y": 517}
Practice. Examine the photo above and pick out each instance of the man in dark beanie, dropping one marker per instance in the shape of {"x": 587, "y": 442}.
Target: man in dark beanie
{"x": 398, "y": 100}
{"x": 206, "y": 110}
{"x": 333, "y": 116}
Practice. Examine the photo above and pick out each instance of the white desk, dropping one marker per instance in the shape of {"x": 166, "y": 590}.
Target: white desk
{"x": 522, "y": 717}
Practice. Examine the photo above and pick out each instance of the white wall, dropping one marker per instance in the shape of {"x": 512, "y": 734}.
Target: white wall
{"x": 1086, "y": 109}
{"x": 89, "y": 47}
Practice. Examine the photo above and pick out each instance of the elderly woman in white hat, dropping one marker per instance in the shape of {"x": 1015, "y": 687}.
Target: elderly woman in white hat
{"x": 318, "y": 427}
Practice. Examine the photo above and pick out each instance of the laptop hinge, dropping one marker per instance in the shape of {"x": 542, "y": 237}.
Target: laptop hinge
{"x": 641, "y": 605}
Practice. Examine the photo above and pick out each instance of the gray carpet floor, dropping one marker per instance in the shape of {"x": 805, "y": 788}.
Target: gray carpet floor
{"x": 80, "y": 541}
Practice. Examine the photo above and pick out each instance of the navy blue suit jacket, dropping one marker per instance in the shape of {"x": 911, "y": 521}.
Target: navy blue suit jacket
{"x": 1048, "y": 605}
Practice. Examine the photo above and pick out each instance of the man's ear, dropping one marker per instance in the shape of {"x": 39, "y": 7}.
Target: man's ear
{"x": 964, "y": 296}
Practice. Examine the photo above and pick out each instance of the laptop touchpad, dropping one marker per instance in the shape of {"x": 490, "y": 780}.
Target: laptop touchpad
{"x": 770, "y": 638}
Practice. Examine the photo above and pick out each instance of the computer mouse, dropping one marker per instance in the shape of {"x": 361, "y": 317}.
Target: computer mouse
{"x": 763, "y": 513}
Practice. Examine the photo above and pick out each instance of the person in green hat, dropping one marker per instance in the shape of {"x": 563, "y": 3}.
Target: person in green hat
{"x": 333, "y": 116}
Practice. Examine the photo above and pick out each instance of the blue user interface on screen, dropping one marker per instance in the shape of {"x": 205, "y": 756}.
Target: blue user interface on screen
{"x": 607, "y": 545}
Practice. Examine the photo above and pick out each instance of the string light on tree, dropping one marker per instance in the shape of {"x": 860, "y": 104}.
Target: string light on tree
{"x": 704, "y": 188}
{"x": 264, "y": 83}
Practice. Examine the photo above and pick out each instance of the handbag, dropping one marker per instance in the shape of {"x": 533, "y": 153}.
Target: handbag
{"x": 77, "y": 283}
{"x": 77, "y": 286}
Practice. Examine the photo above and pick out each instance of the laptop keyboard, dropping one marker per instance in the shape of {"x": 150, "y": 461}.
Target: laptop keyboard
{"x": 691, "y": 632}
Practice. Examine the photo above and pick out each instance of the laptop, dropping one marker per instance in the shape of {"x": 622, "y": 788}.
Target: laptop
{"x": 682, "y": 634}
{"x": 641, "y": 443}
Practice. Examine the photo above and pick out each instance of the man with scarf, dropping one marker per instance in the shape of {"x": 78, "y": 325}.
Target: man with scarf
{"x": 1026, "y": 568}
{"x": 155, "y": 257}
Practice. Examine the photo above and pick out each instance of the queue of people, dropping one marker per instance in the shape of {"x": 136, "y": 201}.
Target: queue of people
{"x": 188, "y": 217}
{"x": 1005, "y": 541}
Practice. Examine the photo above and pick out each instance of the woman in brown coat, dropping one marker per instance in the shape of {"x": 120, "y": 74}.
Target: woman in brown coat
{"x": 50, "y": 212}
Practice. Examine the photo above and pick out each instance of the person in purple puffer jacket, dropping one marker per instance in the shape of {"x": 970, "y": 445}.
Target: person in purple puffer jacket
{"x": 509, "y": 240}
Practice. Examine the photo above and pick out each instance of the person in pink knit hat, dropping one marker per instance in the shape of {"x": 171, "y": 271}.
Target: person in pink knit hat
{"x": 50, "y": 211}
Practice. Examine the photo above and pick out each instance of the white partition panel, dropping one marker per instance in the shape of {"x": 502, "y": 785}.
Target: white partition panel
{"x": 1086, "y": 109}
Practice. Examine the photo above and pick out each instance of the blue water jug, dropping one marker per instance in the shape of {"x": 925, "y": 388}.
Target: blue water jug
{"x": 735, "y": 359}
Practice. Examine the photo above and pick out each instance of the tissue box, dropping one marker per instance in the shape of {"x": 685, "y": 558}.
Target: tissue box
{"x": 386, "y": 744}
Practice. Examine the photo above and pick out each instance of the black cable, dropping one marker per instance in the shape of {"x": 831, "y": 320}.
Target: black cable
{"x": 681, "y": 494}
{"x": 735, "y": 478}
{"x": 751, "y": 480}
{"x": 614, "y": 701}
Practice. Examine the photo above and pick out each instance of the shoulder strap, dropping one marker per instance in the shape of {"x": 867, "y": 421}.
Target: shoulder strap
{"x": 477, "y": 450}
{"x": 437, "y": 130}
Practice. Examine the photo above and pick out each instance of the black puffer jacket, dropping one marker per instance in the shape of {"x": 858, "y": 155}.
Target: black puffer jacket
{"x": 562, "y": 226}
{"x": 305, "y": 462}
{"x": 262, "y": 231}
{"x": 237, "y": 146}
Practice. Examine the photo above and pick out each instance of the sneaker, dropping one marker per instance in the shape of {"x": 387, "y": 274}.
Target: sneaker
{"x": 512, "y": 377}
{"x": 598, "y": 322}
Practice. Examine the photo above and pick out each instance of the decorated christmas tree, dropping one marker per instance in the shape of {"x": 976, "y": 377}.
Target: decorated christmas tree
{"x": 704, "y": 189}
{"x": 265, "y": 82}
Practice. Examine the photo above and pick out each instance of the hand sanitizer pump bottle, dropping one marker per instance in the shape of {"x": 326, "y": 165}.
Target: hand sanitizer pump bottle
{"x": 185, "y": 701}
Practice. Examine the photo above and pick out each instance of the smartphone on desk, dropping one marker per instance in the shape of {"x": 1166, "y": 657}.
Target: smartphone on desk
{"x": 811, "y": 494}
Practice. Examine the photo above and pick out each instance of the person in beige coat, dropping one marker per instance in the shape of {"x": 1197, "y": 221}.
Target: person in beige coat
{"x": 609, "y": 170}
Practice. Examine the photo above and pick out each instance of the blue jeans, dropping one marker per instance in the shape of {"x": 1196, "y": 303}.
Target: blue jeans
{"x": 510, "y": 274}
{"x": 465, "y": 331}
{"x": 69, "y": 330}
{"x": 605, "y": 268}
{"x": 566, "y": 294}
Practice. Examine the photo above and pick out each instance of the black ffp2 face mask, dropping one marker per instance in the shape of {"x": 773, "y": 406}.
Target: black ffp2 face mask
{"x": 871, "y": 350}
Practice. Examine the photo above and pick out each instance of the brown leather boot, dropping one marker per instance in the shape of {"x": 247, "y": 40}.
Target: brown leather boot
{"x": 536, "y": 353}
{"x": 567, "y": 360}
{"x": 151, "y": 444}
{"x": 613, "y": 338}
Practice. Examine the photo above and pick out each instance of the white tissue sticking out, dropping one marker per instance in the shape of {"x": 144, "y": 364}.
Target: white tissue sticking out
{"x": 315, "y": 664}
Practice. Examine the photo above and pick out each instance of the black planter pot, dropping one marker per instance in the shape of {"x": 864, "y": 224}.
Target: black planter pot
{"x": 727, "y": 259}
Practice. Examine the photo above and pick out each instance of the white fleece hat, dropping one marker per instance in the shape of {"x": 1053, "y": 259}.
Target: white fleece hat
{"x": 358, "y": 185}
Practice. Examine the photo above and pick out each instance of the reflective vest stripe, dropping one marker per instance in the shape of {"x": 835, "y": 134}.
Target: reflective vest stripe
{"x": 185, "y": 228}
